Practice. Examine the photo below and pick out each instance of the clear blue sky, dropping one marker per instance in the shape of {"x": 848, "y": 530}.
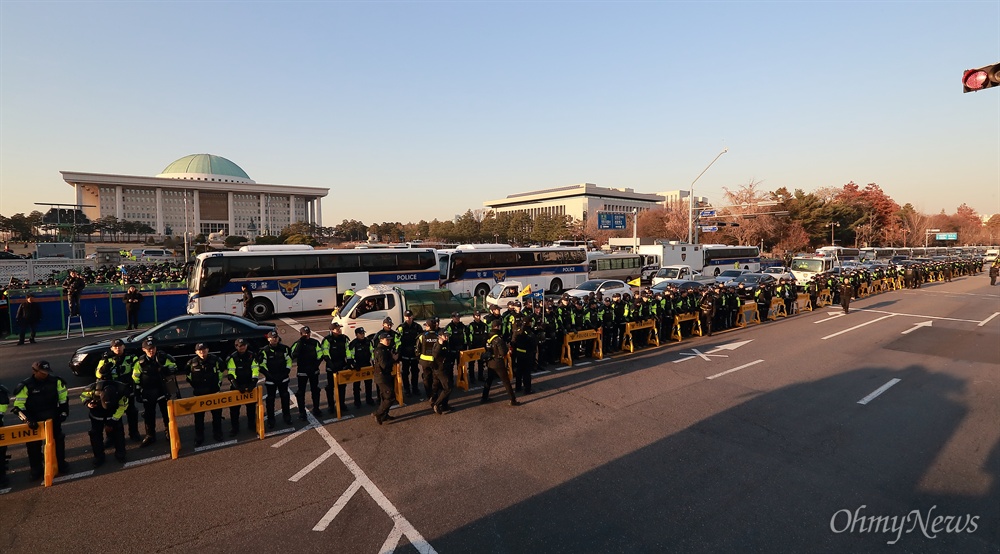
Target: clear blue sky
{"x": 420, "y": 110}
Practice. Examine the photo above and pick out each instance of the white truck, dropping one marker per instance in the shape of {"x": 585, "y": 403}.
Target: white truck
{"x": 507, "y": 291}
{"x": 683, "y": 272}
{"x": 804, "y": 268}
{"x": 370, "y": 305}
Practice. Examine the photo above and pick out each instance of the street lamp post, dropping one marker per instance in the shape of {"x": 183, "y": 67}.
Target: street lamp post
{"x": 691, "y": 196}
{"x": 927, "y": 233}
{"x": 832, "y": 225}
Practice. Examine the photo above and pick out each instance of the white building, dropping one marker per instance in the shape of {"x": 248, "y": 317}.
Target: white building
{"x": 202, "y": 193}
{"x": 577, "y": 201}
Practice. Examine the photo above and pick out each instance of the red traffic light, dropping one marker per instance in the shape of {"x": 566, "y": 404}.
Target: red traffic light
{"x": 981, "y": 78}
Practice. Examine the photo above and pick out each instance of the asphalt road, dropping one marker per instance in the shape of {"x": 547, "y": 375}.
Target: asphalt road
{"x": 818, "y": 433}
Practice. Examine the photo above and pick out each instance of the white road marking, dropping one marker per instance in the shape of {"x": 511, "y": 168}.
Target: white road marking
{"x": 546, "y": 372}
{"x": 729, "y": 346}
{"x": 878, "y": 391}
{"x": 916, "y": 315}
{"x": 298, "y": 326}
{"x": 987, "y": 320}
{"x": 848, "y": 330}
{"x": 392, "y": 541}
{"x": 5, "y": 491}
{"x": 313, "y": 465}
{"x": 832, "y": 315}
{"x": 917, "y": 326}
{"x": 695, "y": 353}
{"x": 285, "y": 440}
{"x": 147, "y": 460}
{"x": 407, "y": 529}
{"x": 323, "y": 523}
{"x": 215, "y": 445}
{"x": 334, "y": 420}
{"x": 583, "y": 363}
{"x": 744, "y": 366}
{"x": 72, "y": 476}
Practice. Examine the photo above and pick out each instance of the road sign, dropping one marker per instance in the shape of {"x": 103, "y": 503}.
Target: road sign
{"x": 709, "y": 228}
{"x": 946, "y": 236}
{"x": 611, "y": 220}
{"x": 707, "y": 213}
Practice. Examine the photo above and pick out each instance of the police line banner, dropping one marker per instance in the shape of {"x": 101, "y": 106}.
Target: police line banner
{"x": 209, "y": 402}
{"x": 20, "y": 434}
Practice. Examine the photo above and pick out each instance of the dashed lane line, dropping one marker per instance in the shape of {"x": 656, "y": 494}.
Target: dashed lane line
{"x": 744, "y": 366}
{"x": 849, "y": 329}
{"x": 878, "y": 391}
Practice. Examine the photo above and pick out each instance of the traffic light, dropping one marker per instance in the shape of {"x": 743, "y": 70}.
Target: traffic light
{"x": 982, "y": 78}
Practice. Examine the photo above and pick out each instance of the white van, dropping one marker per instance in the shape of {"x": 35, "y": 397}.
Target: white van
{"x": 152, "y": 255}
{"x": 991, "y": 255}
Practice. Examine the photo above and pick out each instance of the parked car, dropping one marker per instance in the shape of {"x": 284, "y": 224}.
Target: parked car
{"x": 682, "y": 284}
{"x": 729, "y": 275}
{"x": 178, "y": 338}
{"x": 780, "y": 272}
{"x": 606, "y": 287}
{"x": 751, "y": 282}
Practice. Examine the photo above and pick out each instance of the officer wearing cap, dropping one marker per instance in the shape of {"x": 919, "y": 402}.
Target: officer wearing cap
{"x": 242, "y": 372}
{"x": 150, "y": 373}
{"x": 275, "y": 363}
{"x": 497, "y": 365}
{"x": 43, "y": 397}
{"x": 204, "y": 373}
{"x": 383, "y": 359}
{"x": 476, "y": 335}
{"x": 409, "y": 333}
{"x": 456, "y": 331}
{"x": 307, "y": 353}
{"x": 336, "y": 351}
{"x": 361, "y": 349}
{"x": 429, "y": 351}
{"x": 117, "y": 365}
{"x": 107, "y": 401}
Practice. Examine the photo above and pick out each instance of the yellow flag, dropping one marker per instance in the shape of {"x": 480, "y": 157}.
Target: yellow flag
{"x": 525, "y": 292}
{"x": 637, "y": 282}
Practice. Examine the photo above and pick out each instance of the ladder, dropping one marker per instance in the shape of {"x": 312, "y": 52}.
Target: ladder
{"x": 75, "y": 321}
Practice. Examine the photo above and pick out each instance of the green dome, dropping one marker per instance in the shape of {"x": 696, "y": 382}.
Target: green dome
{"x": 206, "y": 167}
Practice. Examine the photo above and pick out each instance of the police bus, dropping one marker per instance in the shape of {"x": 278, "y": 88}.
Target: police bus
{"x": 296, "y": 278}
{"x": 709, "y": 259}
{"x": 839, "y": 253}
{"x": 473, "y": 269}
{"x": 614, "y": 266}
{"x": 871, "y": 254}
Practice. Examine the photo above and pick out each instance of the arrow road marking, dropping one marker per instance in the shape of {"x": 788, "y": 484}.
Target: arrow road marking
{"x": 858, "y": 326}
{"x": 878, "y": 391}
{"x": 707, "y": 356}
{"x": 734, "y": 369}
{"x": 915, "y": 327}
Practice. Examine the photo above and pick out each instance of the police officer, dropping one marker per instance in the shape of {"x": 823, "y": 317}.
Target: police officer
{"x": 204, "y": 373}
{"x": 409, "y": 333}
{"x": 42, "y": 397}
{"x": 150, "y": 373}
{"x": 707, "y": 306}
{"x": 4, "y": 402}
{"x": 497, "y": 365}
{"x": 107, "y": 400}
{"x": 383, "y": 358}
{"x": 119, "y": 366}
{"x": 476, "y": 335}
{"x": 275, "y": 363}
{"x": 307, "y": 353}
{"x": 242, "y": 372}
{"x": 336, "y": 352}
{"x": 846, "y": 289}
{"x": 441, "y": 374}
{"x": 360, "y": 349}
{"x": 428, "y": 348}
{"x": 524, "y": 346}
{"x": 456, "y": 331}
{"x": 132, "y": 300}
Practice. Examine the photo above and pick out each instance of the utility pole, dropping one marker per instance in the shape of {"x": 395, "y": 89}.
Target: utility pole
{"x": 691, "y": 196}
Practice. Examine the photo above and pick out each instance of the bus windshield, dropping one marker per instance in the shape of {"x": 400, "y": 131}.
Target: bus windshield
{"x": 811, "y": 266}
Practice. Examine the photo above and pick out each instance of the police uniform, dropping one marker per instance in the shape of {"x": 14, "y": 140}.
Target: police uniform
{"x": 336, "y": 351}
{"x": 107, "y": 400}
{"x": 383, "y": 358}
{"x": 274, "y": 361}
{"x": 150, "y": 375}
{"x": 119, "y": 368}
{"x": 307, "y": 353}
{"x": 43, "y": 397}
{"x": 476, "y": 336}
{"x": 242, "y": 371}
{"x": 497, "y": 366}
{"x": 205, "y": 376}
{"x": 409, "y": 333}
{"x": 4, "y": 402}
{"x": 360, "y": 349}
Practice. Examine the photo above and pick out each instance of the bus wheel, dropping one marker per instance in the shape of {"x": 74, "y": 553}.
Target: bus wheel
{"x": 482, "y": 290}
{"x": 261, "y": 308}
{"x": 556, "y": 286}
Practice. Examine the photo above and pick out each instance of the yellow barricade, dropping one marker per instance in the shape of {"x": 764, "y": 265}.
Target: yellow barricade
{"x": 675, "y": 331}
{"x": 776, "y": 310}
{"x": 653, "y": 337}
{"x": 348, "y": 376}
{"x": 566, "y": 356}
{"x": 207, "y": 403}
{"x": 863, "y": 290}
{"x": 20, "y": 434}
{"x": 462, "y": 380}
{"x": 741, "y": 316}
{"x": 802, "y": 304}
{"x": 825, "y": 298}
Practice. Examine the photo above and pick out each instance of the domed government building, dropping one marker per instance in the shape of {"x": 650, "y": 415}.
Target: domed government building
{"x": 202, "y": 193}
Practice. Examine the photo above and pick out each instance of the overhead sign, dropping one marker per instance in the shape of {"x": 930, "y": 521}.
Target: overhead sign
{"x": 946, "y": 236}
{"x": 611, "y": 220}
{"x": 709, "y": 228}
{"x": 707, "y": 213}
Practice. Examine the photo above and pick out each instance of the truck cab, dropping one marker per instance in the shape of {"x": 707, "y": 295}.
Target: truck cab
{"x": 506, "y": 291}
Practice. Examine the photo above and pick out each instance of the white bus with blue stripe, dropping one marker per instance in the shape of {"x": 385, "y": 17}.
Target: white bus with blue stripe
{"x": 296, "y": 278}
{"x": 473, "y": 269}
